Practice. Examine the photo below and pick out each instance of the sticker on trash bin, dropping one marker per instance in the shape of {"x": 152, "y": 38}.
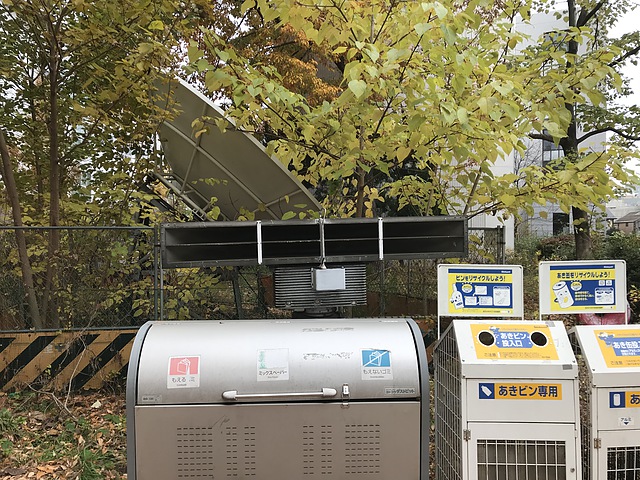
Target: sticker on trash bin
{"x": 624, "y": 399}
{"x": 184, "y": 372}
{"x": 520, "y": 391}
{"x": 376, "y": 365}
{"x": 273, "y": 364}
{"x": 620, "y": 348}
{"x": 513, "y": 341}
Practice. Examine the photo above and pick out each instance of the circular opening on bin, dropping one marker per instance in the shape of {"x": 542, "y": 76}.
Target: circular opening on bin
{"x": 486, "y": 338}
{"x": 539, "y": 339}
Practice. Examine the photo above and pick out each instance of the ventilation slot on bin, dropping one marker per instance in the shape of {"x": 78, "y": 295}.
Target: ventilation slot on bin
{"x": 317, "y": 450}
{"x": 194, "y": 449}
{"x": 521, "y": 460}
{"x": 623, "y": 463}
{"x": 241, "y": 452}
{"x": 362, "y": 449}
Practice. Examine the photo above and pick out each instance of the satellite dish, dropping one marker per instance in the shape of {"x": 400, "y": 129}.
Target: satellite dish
{"x": 230, "y": 170}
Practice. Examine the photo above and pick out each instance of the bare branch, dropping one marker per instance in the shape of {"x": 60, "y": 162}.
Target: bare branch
{"x": 617, "y": 131}
{"x": 625, "y": 56}
{"x": 586, "y": 16}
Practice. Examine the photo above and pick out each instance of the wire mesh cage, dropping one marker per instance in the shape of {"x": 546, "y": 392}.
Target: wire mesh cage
{"x": 506, "y": 402}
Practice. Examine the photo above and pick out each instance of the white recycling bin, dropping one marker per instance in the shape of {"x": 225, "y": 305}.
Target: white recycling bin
{"x": 610, "y": 367}
{"x": 506, "y": 402}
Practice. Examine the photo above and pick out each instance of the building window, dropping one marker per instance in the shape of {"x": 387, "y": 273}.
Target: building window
{"x": 550, "y": 152}
{"x": 560, "y": 224}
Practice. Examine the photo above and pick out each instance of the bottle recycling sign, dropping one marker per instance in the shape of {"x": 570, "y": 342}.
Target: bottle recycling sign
{"x": 480, "y": 290}
{"x": 583, "y": 287}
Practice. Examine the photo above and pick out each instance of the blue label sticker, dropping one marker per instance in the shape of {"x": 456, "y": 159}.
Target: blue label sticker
{"x": 622, "y": 346}
{"x": 487, "y": 391}
{"x": 506, "y": 339}
{"x": 617, "y": 399}
{"x": 376, "y": 358}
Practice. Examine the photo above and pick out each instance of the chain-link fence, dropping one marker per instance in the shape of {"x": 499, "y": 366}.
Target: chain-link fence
{"x": 81, "y": 277}
{"x": 111, "y": 277}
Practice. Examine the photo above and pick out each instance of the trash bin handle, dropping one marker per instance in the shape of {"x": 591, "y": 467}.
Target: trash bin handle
{"x": 234, "y": 395}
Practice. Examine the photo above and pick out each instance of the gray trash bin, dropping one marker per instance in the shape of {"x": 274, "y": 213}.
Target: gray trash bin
{"x": 278, "y": 399}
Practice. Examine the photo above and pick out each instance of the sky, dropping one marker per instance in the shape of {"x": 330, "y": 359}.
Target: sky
{"x": 627, "y": 24}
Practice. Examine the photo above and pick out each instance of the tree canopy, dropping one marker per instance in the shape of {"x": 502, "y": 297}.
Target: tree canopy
{"x": 76, "y": 117}
{"x": 440, "y": 91}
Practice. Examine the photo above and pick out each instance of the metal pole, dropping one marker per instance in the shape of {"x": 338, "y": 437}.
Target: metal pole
{"x": 156, "y": 247}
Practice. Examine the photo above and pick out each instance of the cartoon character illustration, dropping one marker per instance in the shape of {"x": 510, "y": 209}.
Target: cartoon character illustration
{"x": 456, "y": 298}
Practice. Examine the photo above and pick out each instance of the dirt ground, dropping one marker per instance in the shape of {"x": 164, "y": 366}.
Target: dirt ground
{"x": 78, "y": 436}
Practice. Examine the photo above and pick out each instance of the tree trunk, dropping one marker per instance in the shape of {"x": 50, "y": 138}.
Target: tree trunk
{"x": 49, "y": 303}
{"x": 582, "y": 234}
{"x": 25, "y": 264}
{"x": 361, "y": 176}
{"x": 581, "y": 224}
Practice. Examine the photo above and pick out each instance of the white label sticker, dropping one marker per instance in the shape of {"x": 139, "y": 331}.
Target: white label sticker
{"x": 376, "y": 365}
{"x": 273, "y": 364}
{"x": 399, "y": 391}
{"x": 151, "y": 399}
{"x": 184, "y": 372}
{"x": 625, "y": 421}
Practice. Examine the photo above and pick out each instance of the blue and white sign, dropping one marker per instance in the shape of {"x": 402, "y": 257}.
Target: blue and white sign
{"x": 622, "y": 346}
{"x": 617, "y": 400}
{"x": 376, "y": 365}
{"x": 583, "y": 287}
{"x": 487, "y": 391}
{"x": 480, "y": 290}
{"x": 624, "y": 399}
{"x": 507, "y": 339}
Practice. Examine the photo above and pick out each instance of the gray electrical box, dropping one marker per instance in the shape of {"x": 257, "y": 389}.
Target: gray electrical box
{"x": 278, "y": 400}
{"x": 327, "y": 279}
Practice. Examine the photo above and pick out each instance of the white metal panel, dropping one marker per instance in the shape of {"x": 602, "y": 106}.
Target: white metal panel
{"x": 522, "y": 451}
{"x": 522, "y": 400}
{"x": 617, "y": 408}
{"x": 611, "y": 353}
{"x": 618, "y": 457}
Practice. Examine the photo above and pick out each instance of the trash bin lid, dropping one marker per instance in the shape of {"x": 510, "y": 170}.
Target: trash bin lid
{"x": 202, "y": 362}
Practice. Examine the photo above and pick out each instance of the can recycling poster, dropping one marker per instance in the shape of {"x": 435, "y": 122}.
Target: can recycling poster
{"x": 583, "y": 287}
{"x": 480, "y": 290}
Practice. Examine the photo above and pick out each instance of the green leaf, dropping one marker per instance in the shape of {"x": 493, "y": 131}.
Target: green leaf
{"x": 358, "y": 87}
{"x": 288, "y": 215}
{"x": 402, "y": 153}
{"x": 507, "y": 199}
{"x": 156, "y": 25}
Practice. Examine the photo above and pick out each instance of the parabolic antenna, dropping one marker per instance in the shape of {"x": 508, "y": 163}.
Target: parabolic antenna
{"x": 230, "y": 170}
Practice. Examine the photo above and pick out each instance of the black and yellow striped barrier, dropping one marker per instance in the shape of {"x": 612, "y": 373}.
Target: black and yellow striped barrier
{"x": 59, "y": 360}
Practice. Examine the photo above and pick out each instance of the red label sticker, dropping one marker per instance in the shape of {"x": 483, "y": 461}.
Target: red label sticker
{"x": 184, "y": 372}
{"x": 184, "y": 365}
